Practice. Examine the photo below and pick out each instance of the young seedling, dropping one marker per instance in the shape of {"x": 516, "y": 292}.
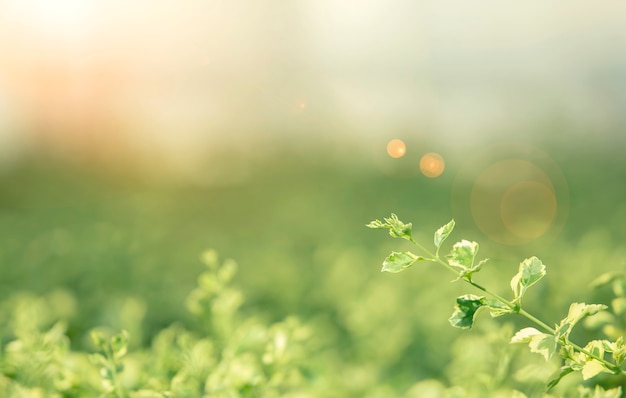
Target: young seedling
{"x": 109, "y": 359}
{"x": 546, "y": 340}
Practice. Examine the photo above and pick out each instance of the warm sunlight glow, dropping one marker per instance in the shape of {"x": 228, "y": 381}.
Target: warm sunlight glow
{"x": 61, "y": 18}
{"x": 513, "y": 201}
{"x": 432, "y": 165}
{"x": 396, "y": 148}
{"x": 300, "y": 103}
{"x": 528, "y": 209}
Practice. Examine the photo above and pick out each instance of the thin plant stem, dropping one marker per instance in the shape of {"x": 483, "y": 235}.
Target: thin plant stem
{"x": 517, "y": 309}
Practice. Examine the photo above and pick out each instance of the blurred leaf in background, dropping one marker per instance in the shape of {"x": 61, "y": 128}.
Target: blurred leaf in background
{"x": 134, "y": 136}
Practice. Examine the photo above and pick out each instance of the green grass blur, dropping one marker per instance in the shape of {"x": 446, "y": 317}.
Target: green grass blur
{"x": 296, "y": 227}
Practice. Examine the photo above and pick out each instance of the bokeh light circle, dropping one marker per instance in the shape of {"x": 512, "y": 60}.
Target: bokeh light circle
{"x": 528, "y": 209}
{"x": 513, "y": 194}
{"x": 396, "y": 148}
{"x": 432, "y": 165}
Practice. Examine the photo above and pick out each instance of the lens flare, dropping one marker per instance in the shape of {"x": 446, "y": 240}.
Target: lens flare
{"x": 432, "y": 165}
{"x": 528, "y": 209}
{"x": 396, "y": 148}
{"x": 513, "y": 201}
{"x": 515, "y": 194}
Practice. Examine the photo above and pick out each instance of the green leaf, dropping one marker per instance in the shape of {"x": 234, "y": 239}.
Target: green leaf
{"x": 530, "y": 272}
{"x": 605, "y": 279}
{"x": 557, "y": 376}
{"x": 376, "y": 224}
{"x": 98, "y": 339}
{"x": 462, "y": 258}
{"x": 525, "y": 335}
{"x": 544, "y": 344}
{"x": 619, "y": 287}
{"x": 463, "y": 254}
{"x": 599, "y": 392}
{"x": 442, "y": 233}
{"x": 399, "y": 261}
{"x": 595, "y": 347}
{"x": 496, "y": 308}
{"x": 119, "y": 344}
{"x": 577, "y": 311}
{"x": 540, "y": 343}
{"x": 465, "y": 311}
{"x": 98, "y": 359}
{"x": 592, "y": 368}
{"x": 467, "y": 274}
{"x": 619, "y": 305}
{"x": 563, "y": 329}
{"x": 567, "y": 352}
{"x": 618, "y": 351}
{"x": 210, "y": 259}
{"x": 397, "y": 228}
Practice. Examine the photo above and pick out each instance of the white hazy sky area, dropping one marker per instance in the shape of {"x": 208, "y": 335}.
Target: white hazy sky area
{"x": 171, "y": 80}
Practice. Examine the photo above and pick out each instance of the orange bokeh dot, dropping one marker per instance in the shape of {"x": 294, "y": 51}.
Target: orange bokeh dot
{"x": 432, "y": 165}
{"x": 300, "y": 103}
{"x": 396, "y": 148}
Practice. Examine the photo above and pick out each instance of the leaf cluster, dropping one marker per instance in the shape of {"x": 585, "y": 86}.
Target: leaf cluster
{"x": 597, "y": 356}
{"x": 228, "y": 356}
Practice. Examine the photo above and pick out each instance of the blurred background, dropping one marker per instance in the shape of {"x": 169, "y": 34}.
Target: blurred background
{"x": 134, "y": 135}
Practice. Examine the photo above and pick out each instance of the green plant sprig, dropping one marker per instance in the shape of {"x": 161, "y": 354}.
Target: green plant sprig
{"x": 589, "y": 360}
{"x": 109, "y": 359}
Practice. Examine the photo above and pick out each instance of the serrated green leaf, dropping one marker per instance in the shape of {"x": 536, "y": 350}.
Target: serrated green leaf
{"x": 463, "y": 254}
{"x": 557, "y": 376}
{"x": 442, "y": 233}
{"x": 596, "y": 347}
{"x": 465, "y": 311}
{"x": 399, "y": 261}
{"x": 544, "y": 344}
{"x": 607, "y": 345}
{"x": 496, "y": 308}
{"x": 397, "y": 228}
{"x": 530, "y": 272}
{"x": 462, "y": 258}
{"x": 525, "y": 335}
{"x": 592, "y": 368}
{"x": 577, "y": 311}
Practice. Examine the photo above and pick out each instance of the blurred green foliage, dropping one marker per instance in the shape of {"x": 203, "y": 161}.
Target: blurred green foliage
{"x": 81, "y": 248}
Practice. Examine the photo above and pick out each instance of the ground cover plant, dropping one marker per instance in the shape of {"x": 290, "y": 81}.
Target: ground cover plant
{"x": 596, "y": 357}
{"x": 223, "y": 356}
{"x": 82, "y": 251}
